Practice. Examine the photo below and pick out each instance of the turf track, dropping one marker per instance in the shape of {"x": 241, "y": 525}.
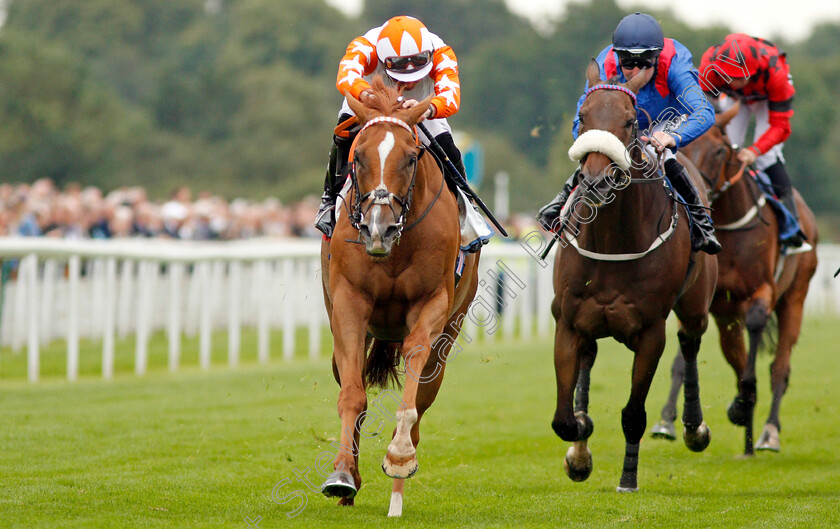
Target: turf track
{"x": 198, "y": 449}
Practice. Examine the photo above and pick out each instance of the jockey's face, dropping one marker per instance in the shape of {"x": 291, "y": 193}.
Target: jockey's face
{"x": 630, "y": 73}
{"x": 407, "y": 86}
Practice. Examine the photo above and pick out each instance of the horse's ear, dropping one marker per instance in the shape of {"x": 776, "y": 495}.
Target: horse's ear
{"x": 414, "y": 113}
{"x": 593, "y": 73}
{"x": 357, "y": 107}
{"x": 723, "y": 119}
{"x": 635, "y": 84}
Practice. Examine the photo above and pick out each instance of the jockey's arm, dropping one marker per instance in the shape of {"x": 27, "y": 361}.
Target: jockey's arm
{"x": 780, "y": 94}
{"x": 683, "y": 80}
{"x": 359, "y": 60}
{"x": 444, "y": 72}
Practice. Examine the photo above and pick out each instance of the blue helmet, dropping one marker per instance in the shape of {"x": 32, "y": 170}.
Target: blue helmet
{"x": 638, "y": 33}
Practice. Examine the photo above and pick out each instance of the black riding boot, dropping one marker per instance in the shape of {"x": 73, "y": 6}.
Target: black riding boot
{"x": 702, "y": 231}
{"x": 549, "y": 213}
{"x": 784, "y": 191}
{"x": 447, "y": 143}
{"x": 333, "y": 182}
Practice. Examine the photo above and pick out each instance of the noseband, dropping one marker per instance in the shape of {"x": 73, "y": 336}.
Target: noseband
{"x": 380, "y": 195}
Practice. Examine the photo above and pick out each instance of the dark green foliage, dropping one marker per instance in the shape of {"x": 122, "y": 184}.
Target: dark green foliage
{"x": 238, "y": 96}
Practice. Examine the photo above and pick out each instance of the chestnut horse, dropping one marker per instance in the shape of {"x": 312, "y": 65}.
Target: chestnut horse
{"x": 642, "y": 270}
{"x": 754, "y": 279}
{"x": 389, "y": 285}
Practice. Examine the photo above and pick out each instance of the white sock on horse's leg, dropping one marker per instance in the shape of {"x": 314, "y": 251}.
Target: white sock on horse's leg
{"x": 397, "y": 498}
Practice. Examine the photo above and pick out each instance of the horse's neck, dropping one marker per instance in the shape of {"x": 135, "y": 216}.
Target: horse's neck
{"x": 631, "y": 221}
{"x": 735, "y": 202}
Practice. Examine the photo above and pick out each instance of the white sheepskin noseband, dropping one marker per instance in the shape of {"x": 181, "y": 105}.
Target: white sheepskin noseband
{"x": 603, "y": 142}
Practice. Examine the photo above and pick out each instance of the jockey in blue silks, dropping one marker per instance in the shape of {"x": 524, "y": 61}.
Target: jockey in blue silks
{"x": 672, "y": 97}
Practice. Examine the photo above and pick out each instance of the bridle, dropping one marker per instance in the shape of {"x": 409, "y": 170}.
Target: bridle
{"x": 380, "y": 195}
{"x": 661, "y": 238}
{"x": 634, "y": 134}
{"x": 721, "y": 183}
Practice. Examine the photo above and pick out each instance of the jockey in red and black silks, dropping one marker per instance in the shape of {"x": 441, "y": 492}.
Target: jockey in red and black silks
{"x": 768, "y": 80}
{"x": 755, "y": 72}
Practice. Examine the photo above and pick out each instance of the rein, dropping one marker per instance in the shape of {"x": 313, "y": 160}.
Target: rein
{"x": 728, "y": 183}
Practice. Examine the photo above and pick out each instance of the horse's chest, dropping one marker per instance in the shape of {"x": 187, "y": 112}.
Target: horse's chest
{"x": 599, "y": 311}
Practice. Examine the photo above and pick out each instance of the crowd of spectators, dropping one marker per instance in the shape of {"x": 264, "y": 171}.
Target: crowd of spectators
{"x": 41, "y": 209}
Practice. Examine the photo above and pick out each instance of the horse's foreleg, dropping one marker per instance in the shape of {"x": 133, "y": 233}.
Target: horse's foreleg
{"x": 401, "y": 457}
{"x": 743, "y": 407}
{"x": 695, "y": 433}
{"x": 735, "y": 353}
{"x": 789, "y": 312}
{"x": 431, "y": 380}
{"x": 582, "y": 388}
{"x": 349, "y": 323}
{"x": 648, "y": 349}
{"x": 664, "y": 429}
{"x": 572, "y": 423}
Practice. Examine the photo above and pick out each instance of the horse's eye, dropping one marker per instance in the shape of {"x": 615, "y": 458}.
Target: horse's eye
{"x": 629, "y": 123}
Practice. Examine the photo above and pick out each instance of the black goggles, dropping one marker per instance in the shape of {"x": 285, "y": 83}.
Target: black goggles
{"x": 636, "y": 62}
{"x": 642, "y": 61}
{"x": 403, "y": 64}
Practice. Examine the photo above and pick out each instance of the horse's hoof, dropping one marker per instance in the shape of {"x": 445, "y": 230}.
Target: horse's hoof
{"x": 698, "y": 439}
{"x": 626, "y": 489}
{"x": 340, "y": 484}
{"x": 578, "y": 463}
{"x": 664, "y": 430}
{"x": 401, "y": 468}
{"x": 769, "y": 439}
{"x": 739, "y": 412}
{"x": 346, "y": 502}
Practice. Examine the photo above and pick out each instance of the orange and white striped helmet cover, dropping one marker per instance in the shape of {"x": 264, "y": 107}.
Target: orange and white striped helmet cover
{"x": 404, "y": 36}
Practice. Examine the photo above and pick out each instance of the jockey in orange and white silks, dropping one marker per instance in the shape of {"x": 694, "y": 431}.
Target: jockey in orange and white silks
{"x": 404, "y": 51}
{"x": 409, "y": 56}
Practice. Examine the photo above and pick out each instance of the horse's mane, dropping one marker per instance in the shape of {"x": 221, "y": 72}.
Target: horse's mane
{"x": 384, "y": 99}
{"x": 612, "y": 80}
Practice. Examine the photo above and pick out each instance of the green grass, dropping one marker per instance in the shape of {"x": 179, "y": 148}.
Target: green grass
{"x": 205, "y": 449}
{"x": 53, "y": 356}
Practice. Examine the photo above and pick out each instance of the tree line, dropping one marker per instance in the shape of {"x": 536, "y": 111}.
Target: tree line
{"x": 238, "y": 96}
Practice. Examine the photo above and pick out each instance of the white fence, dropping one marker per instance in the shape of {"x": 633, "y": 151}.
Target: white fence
{"x": 70, "y": 290}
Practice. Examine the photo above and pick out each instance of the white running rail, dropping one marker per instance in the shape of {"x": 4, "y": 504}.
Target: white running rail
{"x": 69, "y": 290}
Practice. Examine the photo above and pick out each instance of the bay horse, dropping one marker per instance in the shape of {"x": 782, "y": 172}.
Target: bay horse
{"x": 754, "y": 279}
{"x": 612, "y": 281}
{"x": 390, "y": 286}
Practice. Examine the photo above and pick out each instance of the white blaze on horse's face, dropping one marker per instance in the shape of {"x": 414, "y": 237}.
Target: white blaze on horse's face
{"x": 378, "y": 229}
{"x": 384, "y": 150}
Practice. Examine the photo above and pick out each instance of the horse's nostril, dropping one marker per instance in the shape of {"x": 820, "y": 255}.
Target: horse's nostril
{"x": 364, "y": 230}
{"x": 391, "y": 231}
